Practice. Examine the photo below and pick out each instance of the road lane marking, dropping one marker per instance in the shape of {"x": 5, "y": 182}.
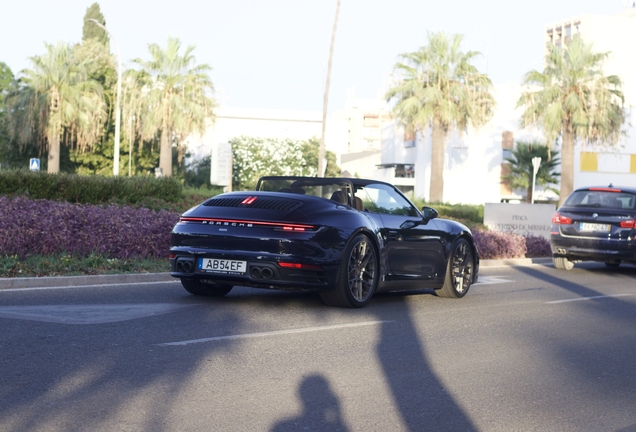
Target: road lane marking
{"x": 276, "y": 333}
{"x": 491, "y": 280}
{"x": 586, "y": 298}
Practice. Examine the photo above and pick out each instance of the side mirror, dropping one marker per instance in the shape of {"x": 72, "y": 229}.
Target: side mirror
{"x": 429, "y": 213}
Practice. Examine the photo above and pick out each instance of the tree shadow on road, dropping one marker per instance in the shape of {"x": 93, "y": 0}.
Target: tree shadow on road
{"x": 421, "y": 397}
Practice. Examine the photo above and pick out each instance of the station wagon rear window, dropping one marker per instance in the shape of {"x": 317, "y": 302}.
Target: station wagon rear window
{"x": 604, "y": 199}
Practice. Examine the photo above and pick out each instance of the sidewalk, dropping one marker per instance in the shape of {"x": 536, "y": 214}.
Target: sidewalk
{"x": 122, "y": 279}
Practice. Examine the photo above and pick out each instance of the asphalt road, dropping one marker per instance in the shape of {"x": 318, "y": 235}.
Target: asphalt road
{"x": 528, "y": 349}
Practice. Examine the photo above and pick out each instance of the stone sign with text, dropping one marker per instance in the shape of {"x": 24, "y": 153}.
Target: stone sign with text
{"x": 521, "y": 219}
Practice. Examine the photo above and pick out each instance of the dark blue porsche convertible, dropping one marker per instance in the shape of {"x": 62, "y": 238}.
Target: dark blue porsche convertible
{"x": 346, "y": 238}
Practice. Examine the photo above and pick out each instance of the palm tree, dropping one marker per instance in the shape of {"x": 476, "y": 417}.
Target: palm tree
{"x": 56, "y": 98}
{"x": 439, "y": 88}
{"x": 177, "y": 97}
{"x": 522, "y": 170}
{"x": 132, "y": 106}
{"x": 572, "y": 98}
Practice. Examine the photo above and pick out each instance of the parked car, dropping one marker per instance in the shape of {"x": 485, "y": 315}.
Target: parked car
{"x": 595, "y": 224}
{"x": 345, "y": 238}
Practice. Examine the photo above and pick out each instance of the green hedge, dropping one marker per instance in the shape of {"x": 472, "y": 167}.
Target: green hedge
{"x": 464, "y": 212}
{"x": 89, "y": 189}
{"x": 473, "y": 213}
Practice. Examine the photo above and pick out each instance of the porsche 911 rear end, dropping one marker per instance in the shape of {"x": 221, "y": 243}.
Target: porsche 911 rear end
{"x": 259, "y": 239}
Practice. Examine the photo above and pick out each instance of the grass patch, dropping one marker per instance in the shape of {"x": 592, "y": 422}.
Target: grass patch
{"x": 70, "y": 265}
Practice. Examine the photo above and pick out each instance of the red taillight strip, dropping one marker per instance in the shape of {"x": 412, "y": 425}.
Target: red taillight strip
{"x": 628, "y": 223}
{"x": 295, "y": 227}
{"x": 299, "y": 266}
{"x": 291, "y": 228}
{"x": 606, "y": 189}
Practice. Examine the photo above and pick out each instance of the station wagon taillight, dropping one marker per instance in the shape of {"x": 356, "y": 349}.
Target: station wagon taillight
{"x": 558, "y": 218}
{"x": 628, "y": 223}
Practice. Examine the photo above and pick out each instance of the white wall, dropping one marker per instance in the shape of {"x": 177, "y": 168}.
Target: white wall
{"x": 614, "y": 163}
{"x": 361, "y": 164}
{"x": 234, "y": 122}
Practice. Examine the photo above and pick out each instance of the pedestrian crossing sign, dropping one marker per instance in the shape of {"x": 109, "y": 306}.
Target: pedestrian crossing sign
{"x": 34, "y": 164}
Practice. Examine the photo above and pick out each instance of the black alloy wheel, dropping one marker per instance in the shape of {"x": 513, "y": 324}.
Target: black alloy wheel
{"x": 459, "y": 272}
{"x": 203, "y": 288}
{"x": 357, "y": 276}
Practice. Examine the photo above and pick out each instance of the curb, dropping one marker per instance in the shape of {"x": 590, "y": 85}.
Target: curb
{"x": 512, "y": 262}
{"x": 71, "y": 281}
{"x": 122, "y": 279}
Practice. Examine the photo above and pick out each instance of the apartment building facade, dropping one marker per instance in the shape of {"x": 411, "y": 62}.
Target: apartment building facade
{"x": 616, "y": 35}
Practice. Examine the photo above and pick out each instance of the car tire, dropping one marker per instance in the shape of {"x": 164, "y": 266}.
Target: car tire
{"x": 357, "y": 275}
{"x": 198, "y": 287}
{"x": 562, "y": 263}
{"x": 459, "y": 271}
{"x": 612, "y": 264}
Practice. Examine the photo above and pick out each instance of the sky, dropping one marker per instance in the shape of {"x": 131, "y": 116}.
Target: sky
{"x": 274, "y": 53}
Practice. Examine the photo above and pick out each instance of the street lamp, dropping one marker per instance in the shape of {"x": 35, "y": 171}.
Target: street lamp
{"x": 536, "y": 162}
{"x": 322, "y": 165}
{"x": 117, "y": 99}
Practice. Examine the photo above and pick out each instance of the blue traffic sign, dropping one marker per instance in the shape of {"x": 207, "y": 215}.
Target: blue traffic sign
{"x": 34, "y": 164}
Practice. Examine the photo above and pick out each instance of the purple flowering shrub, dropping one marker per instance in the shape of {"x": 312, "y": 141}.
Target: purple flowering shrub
{"x": 46, "y": 227}
{"x": 538, "y": 247}
{"x": 498, "y": 245}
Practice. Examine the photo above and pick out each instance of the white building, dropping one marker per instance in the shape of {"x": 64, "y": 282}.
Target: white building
{"x": 233, "y": 122}
{"x": 615, "y": 34}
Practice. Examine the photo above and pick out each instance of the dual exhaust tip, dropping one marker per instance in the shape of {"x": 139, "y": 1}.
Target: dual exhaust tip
{"x": 184, "y": 266}
{"x": 261, "y": 273}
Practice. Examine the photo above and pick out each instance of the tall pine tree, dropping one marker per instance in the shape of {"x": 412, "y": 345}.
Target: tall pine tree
{"x": 6, "y": 80}
{"x": 92, "y": 31}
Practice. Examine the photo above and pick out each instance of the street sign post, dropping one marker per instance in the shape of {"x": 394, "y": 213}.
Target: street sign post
{"x": 536, "y": 162}
{"x": 221, "y": 164}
